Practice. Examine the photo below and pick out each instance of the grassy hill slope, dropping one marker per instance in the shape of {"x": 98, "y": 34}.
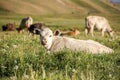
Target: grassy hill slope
{"x": 38, "y": 6}
{"x": 57, "y": 6}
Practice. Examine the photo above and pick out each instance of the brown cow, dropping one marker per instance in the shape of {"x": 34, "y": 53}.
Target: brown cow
{"x": 25, "y": 23}
{"x": 68, "y": 33}
{"x": 8, "y": 27}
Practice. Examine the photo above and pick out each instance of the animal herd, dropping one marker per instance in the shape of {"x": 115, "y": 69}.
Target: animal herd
{"x": 56, "y": 41}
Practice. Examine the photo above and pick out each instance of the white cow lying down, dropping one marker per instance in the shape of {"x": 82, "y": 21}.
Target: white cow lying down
{"x": 57, "y": 43}
{"x": 99, "y": 23}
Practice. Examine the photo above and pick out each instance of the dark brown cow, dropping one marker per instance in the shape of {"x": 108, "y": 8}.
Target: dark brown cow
{"x": 8, "y": 27}
{"x": 35, "y": 28}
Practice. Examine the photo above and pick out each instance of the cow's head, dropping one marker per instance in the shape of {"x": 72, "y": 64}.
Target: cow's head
{"x": 4, "y": 28}
{"x": 35, "y": 28}
{"x": 46, "y": 37}
{"x": 76, "y": 32}
{"x": 111, "y": 33}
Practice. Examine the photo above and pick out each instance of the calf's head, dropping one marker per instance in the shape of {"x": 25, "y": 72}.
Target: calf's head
{"x": 46, "y": 37}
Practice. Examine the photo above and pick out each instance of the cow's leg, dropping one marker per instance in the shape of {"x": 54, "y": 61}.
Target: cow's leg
{"x": 29, "y": 33}
{"x": 103, "y": 32}
{"x": 86, "y": 31}
{"x": 91, "y": 31}
{"x": 21, "y": 31}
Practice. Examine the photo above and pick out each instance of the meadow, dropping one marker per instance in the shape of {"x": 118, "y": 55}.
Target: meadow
{"x": 22, "y": 57}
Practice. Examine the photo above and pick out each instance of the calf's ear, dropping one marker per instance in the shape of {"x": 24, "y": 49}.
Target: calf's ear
{"x": 56, "y": 33}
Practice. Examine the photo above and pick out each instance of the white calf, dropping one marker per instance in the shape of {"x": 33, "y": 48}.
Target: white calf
{"x": 99, "y": 23}
{"x": 57, "y": 43}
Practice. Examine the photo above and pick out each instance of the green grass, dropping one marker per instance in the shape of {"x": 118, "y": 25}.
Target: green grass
{"x": 22, "y": 57}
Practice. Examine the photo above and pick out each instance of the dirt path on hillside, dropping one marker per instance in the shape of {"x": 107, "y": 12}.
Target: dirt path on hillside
{"x": 61, "y": 2}
{"x": 99, "y": 8}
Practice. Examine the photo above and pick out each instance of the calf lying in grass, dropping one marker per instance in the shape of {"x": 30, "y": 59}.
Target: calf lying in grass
{"x": 57, "y": 43}
{"x": 67, "y": 33}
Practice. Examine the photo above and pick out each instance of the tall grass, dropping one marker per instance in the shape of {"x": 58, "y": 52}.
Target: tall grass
{"x": 22, "y": 57}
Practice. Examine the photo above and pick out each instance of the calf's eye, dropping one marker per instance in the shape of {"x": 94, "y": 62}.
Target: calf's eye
{"x": 50, "y": 36}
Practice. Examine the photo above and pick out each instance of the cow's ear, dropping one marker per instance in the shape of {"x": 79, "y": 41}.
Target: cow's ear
{"x": 57, "y": 33}
{"x": 42, "y": 27}
{"x": 43, "y": 24}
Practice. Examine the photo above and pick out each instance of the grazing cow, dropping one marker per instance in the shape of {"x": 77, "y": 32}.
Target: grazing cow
{"x": 69, "y": 33}
{"x": 34, "y": 28}
{"x": 25, "y": 23}
{"x": 56, "y": 43}
{"x": 8, "y": 27}
{"x": 99, "y": 23}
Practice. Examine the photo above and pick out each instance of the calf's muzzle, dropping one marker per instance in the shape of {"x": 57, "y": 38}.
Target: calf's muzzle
{"x": 44, "y": 41}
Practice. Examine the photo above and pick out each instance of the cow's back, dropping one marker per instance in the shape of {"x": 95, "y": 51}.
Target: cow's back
{"x": 89, "y": 46}
{"x": 26, "y": 22}
{"x": 8, "y": 27}
{"x": 98, "y": 22}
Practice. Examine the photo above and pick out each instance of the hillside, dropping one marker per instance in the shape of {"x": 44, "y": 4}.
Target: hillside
{"x": 58, "y": 6}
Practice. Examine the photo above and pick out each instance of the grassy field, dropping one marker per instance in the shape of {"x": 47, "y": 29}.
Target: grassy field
{"x": 22, "y": 57}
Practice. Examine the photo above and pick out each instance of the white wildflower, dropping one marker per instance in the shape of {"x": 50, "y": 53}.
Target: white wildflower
{"x": 74, "y": 71}
{"x": 110, "y": 75}
{"x": 13, "y": 78}
{"x": 16, "y": 67}
{"x": 3, "y": 50}
{"x": 14, "y": 46}
{"x": 26, "y": 76}
{"x": 15, "y": 61}
{"x": 7, "y": 46}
